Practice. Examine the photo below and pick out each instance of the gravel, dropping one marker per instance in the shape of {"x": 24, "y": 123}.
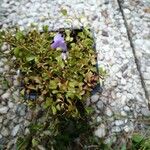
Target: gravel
{"x": 123, "y": 83}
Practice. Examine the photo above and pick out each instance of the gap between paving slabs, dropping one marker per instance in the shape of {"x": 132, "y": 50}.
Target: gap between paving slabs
{"x": 137, "y": 61}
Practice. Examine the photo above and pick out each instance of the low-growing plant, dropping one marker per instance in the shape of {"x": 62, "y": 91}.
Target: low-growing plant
{"x": 59, "y": 83}
{"x": 140, "y": 141}
{"x": 58, "y": 76}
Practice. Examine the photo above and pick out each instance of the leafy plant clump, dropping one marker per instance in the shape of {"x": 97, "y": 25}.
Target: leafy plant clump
{"x": 57, "y": 73}
{"x": 59, "y": 84}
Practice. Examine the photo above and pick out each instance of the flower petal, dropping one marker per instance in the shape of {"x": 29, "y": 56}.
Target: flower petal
{"x": 58, "y": 37}
{"x": 59, "y": 42}
{"x": 63, "y": 46}
{"x": 55, "y": 44}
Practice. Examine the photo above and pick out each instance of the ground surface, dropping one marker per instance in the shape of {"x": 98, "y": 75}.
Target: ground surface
{"x": 122, "y": 35}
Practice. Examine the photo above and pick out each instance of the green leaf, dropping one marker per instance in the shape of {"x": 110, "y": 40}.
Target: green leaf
{"x": 123, "y": 147}
{"x": 64, "y": 12}
{"x": 19, "y": 35}
{"x": 5, "y": 84}
{"x": 58, "y": 107}
{"x": 53, "y": 84}
{"x": 30, "y": 58}
{"x": 45, "y": 28}
{"x": 73, "y": 83}
{"x": 16, "y": 51}
{"x": 102, "y": 71}
{"x": 89, "y": 110}
{"x": 54, "y": 110}
{"x": 69, "y": 39}
{"x": 60, "y": 61}
{"x": 36, "y": 59}
{"x": 137, "y": 137}
{"x": 70, "y": 94}
{"x": 146, "y": 143}
{"x": 22, "y": 143}
{"x": 34, "y": 142}
{"x": 48, "y": 103}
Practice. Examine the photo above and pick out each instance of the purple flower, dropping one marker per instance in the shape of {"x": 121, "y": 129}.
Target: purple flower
{"x": 59, "y": 42}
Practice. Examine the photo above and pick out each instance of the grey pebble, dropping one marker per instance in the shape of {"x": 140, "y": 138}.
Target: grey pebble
{"x": 116, "y": 129}
{"x": 1, "y": 63}
{"x": 10, "y": 104}
{"x": 1, "y": 119}
{"x": 4, "y": 132}
{"x": 105, "y": 33}
{"x": 94, "y": 98}
{"x": 15, "y": 130}
{"x": 100, "y": 105}
{"x": 21, "y": 109}
{"x": 145, "y": 112}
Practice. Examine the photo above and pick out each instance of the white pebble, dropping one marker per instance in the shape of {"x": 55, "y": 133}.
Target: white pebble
{"x": 126, "y": 129}
{"x": 126, "y": 108}
{"x": 119, "y": 74}
{"x": 108, "y": 112}
{"x": 119, "y": 122}
{"x": 100, "y": 132}
{"x": 1, "y": 70}
{"x": 3, "y": 110}
{"x": 5, "y": 95}
{"x": 99, "y": 119}
{"x": 123, "y": 81}
{"x": 123, "y": 113}
{"x": 115, "y": 68}
{"x": 126, "y": 11}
